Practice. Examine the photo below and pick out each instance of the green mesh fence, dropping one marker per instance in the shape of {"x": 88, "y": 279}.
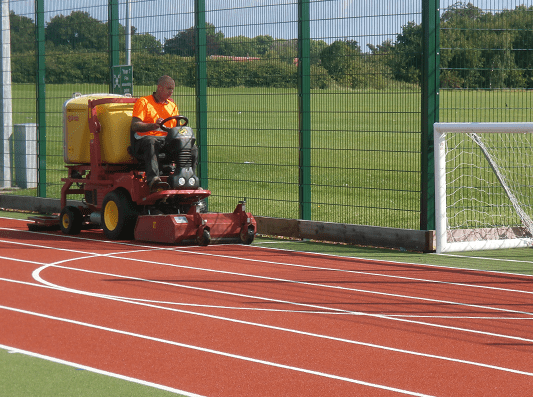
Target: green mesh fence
{"x": 309, "y": 109}
{"x": 366, "y": 123}
{"x": 486, "y": 61}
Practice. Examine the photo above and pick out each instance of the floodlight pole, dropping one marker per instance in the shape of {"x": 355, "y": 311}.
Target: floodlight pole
{"x": 6, "y": 111}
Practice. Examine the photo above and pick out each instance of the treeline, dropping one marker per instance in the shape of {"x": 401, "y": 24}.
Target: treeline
{"x": 478, "y": 50}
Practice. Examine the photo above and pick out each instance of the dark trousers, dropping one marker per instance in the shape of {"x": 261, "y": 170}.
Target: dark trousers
{"x": 149, "y": 147}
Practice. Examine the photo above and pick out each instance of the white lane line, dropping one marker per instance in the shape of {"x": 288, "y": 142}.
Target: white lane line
{"x": 257, "y": 247}
{"x": 215, "y": 352}
{"x": 115, "y": 255}
{"x": 184, "y": 249}
{"x": 88, "y": 254}
{"x": 484, "y": 258}
{"x": 37, "y": 277}
{"x": 12, "y": 349}
{"x": 282, "y": 329}
{"x": 429, "y": 281}
{"x": 22, "y": 261}
{"x": 328, "y": 308}
{"x": 322, "y": 286}
{"x": 187, "y": 250}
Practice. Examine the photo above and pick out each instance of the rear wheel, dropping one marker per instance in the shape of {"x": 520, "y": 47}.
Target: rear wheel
{"x": 70, "y": 220}
{"x": 119, "y": 215}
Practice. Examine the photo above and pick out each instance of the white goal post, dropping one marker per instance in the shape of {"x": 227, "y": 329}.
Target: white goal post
{"x": 483, "y": 185}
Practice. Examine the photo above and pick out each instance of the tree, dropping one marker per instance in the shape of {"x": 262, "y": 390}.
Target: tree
{"x": 283, "y": 50}
{"x": 406, "y": 60}
{"x": 461, "y": 64}
{"x": 522, "y": 46}
{"x": 460, "y": 12}
{"x": 316, "y": 48}
{"x": 77, "y": 31}
{"x": 263, "y": 43}
{"x": 242, "y": 46}
{"x": 477, "y": 48}
{"x": 354, "y": 45}
{"x": 184, "y": 43}
{"x": 146, "y": 43}
{"x": 381, "y": 49}
{"x": 239, "y": 46}
{"x": 22, "y": 33}
{"x": 344, "y": 64}
{"x": 378, "y": 63}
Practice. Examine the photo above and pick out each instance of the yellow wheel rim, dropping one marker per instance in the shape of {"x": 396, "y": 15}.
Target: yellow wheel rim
{"x": 111, "y": 215}
{"x": 65, "y": 220}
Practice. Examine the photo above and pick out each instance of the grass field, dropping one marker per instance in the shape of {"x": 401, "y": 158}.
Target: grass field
{"x": 365, "y": 146}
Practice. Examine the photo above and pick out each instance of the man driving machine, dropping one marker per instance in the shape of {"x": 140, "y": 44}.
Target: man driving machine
{"x": 148, "y": 139}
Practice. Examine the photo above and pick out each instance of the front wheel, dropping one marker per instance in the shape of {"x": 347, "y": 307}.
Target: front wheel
{"x": 247, "y": 235}
{"x": 119, "y": 215}
{"x": 70, "y": 220}
{"x": 204, "y": 238}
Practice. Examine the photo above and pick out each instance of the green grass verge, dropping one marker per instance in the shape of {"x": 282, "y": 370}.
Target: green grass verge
{"x": 22, "y": 375}
{"x": 517, "y": 260}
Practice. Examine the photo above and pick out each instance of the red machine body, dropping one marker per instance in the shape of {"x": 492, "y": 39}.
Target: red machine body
{"x": 117, "y": 198}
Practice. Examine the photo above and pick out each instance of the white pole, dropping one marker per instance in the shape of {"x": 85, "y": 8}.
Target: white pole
{"x": 6, "y": 109}
{"x": 440, "y": 188}
{"x": 128, "y": 32}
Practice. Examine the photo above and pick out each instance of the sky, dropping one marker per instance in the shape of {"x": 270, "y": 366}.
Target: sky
{"x": 366, "y": 21}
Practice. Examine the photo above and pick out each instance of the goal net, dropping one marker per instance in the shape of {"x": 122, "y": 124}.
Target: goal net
{"x": 483, "y": 185}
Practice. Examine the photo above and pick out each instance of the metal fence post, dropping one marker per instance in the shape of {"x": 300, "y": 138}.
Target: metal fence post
{"x": 114, "y": 45}
{"x": 430, "y": 108}
{"x": 304, "y": 104}
{"x": 201, "y": 90}
{"x": 41, "y": 97}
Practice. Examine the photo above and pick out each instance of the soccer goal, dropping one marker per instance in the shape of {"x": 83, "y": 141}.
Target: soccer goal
{"x": 483, "y": 185}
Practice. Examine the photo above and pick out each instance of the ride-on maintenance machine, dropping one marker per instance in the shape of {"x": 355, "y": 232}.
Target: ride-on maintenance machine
{"x": 116, "y": 195}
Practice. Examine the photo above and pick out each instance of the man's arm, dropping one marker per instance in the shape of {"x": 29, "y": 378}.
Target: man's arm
{"x": 137, "y": 125}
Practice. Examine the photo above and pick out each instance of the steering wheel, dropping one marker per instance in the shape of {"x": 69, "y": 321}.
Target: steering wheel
{"x": 178, "y": 118}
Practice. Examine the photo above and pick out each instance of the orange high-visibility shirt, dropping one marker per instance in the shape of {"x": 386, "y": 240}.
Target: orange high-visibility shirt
{"x": 148, "y": 110}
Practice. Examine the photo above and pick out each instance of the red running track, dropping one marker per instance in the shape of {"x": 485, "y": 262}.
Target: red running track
{"x": 237, "y": 320}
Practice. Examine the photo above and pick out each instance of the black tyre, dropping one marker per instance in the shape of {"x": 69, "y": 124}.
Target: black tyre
{"x": 204, "y": 239}
{"x": 119, "y": 215}
{"x": 247, "y": 235}
{"x": 70, "y": 220}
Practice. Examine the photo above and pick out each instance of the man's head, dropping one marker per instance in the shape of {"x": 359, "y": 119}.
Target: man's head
{"x": 165, "y": 88}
